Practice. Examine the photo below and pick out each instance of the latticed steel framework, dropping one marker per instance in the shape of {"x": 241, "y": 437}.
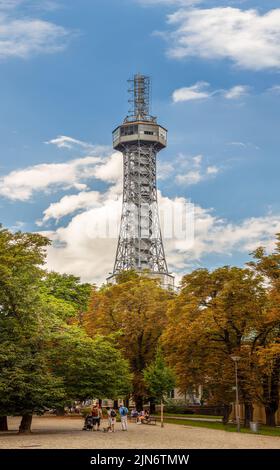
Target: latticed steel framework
{"x": 139, "y": 139}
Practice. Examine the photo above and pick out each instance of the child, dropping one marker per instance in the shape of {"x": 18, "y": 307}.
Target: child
{"x": 111, "y": 419}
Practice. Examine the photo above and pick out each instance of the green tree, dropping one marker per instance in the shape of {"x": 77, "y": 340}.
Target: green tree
{"x": 45, "y": 357}
{"x": 26, "y": 383}
{"x": 88, "y": 367}
{"x": 159, "y": 379}
{"x": 65, "y": 294}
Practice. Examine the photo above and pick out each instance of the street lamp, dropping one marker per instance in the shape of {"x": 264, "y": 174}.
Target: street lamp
{"x": 235, "y": 360}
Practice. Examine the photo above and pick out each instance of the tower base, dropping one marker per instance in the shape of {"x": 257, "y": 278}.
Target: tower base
{"x": 166, "y": 280}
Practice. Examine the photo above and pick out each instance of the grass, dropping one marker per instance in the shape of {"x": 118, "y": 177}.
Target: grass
{"x": 185, "y": 415}
{"x": 264, "y": 430}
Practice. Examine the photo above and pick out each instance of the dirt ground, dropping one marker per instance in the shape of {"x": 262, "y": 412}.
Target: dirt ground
{"x": 66, "y": 433}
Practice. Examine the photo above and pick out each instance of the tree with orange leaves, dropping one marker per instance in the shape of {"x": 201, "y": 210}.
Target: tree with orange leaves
{"x": 135, "y": 310}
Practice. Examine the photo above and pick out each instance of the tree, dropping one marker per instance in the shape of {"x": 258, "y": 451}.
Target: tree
{"x": 45, "y": 358}
{"x": 159, "y": 379}
{"x": 135, "y": 311}
{"x": 26, "y": 384}
{"x": 88, "y": 367}
{"x": 65, "y": 294}
{"x": 267, "y": 338}
{"x": 216, "y": 315}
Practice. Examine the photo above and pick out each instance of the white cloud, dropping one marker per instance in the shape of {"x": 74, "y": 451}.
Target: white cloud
{"x": 70, "y": 204}
{"x": 194, "y": 92}
{"x": 23, "y": 36}
{"x": 31, "y": 4}
{"x": 86, "y": 245}
{"x": 22, "y": 184}
{"x": 164, "y": 170}
{"x": 191, "y": 177}
{"x": 82, "y": 249}
{"x": 212, "y": 170}
{"x": 192, "y": 170}
{"x": 275, "y": 89}
{"x": 63, "y": 141}
{"x": 75, "y": 173}
{"x": 69, "y": 143}
{"x": 110, "y": 170}
{"x": 201, "y": 91}
{"x": 246, "y": 37}
{"x": 236, "y": 92}
{"x": 245, "y": 145}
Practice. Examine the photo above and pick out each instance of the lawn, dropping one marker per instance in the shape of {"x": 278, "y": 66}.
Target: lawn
{"x": 264, "y": 430}
{"x": 185, "y": 415}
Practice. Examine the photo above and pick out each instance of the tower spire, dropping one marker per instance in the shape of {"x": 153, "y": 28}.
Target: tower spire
{"x": 139, "y": 98}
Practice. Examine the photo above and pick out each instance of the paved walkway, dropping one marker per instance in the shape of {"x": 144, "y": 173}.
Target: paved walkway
{"x": 65, "y": 433}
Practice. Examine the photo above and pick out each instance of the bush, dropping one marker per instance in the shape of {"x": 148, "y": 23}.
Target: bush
{"x": 86, "y": 411}
{"x": 175, "y": 406}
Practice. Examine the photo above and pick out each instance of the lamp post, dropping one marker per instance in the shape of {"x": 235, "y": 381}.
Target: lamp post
{"x": 235, "y": 360}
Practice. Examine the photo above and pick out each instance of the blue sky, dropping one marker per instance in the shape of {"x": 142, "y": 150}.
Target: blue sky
{"x": 216, "y": 87}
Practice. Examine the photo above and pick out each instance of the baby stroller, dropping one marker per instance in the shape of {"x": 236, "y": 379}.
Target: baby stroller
{"x": 89, "y": 423}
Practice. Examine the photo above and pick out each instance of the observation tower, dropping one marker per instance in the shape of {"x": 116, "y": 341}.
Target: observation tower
{"x": 140, "y": 138}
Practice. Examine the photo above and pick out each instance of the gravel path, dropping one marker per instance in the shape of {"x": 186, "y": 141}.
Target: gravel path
{"x": 65, "y": 433}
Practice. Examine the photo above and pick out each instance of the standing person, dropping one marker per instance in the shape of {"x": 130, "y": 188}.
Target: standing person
{"x": 112, "y": 419}
{"x": 123, "y": 414}
{"x": 95, "y": 416}
{"x": 100, "y": 416}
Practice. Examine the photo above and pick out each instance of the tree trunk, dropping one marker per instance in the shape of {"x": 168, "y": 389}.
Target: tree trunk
{"x": 270, "y": 415}
{"x": 60, "y": 411}
{"x": 25, "y": 425}
{"x": 226, "y": 413}
{"x": 248, "y": 414}
{"x": 271, "y": 394}
{"x": 139, "y": 403}
{"x": 152, "y": 406}
{"x": 3, "y": 423}
{"x": 116, "y": 404}
{"x": 161, "y": 414}
{"x": 126, "y": 402}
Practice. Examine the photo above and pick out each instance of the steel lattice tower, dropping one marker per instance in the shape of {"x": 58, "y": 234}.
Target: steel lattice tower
{"x": 139, "y": 139}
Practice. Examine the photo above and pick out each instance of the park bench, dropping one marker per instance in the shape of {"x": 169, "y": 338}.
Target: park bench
{"x": 132, "y": 419}
{"x": 152, "y": 420}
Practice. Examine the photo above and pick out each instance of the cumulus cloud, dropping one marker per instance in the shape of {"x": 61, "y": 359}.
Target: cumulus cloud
{"x": 201, "y": 91}
{"x": 193, "y": 170}
{"x": 195, "y": 92}
{"x": 75, "y": 173}
{"x": 23, "y": 36}
{"x": 236, "y": 92}
{"x": 248, "y": 38}
{"x": 87, "y": 245}
{"x": 22, "y": 184}
{"x": 70, "y": 204}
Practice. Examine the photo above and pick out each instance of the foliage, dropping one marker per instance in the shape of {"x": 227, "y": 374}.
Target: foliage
{"x": 214, "y": 317}
{"x": 89, "y": 367}
{"x": 175, "y": 406}
{"x": 159, "y": 378}
{"x": 135, "y": 311}
{"x": 27, "y": 384}
{"x": 45, "y": 357}
{"x": 65, "y": 295}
